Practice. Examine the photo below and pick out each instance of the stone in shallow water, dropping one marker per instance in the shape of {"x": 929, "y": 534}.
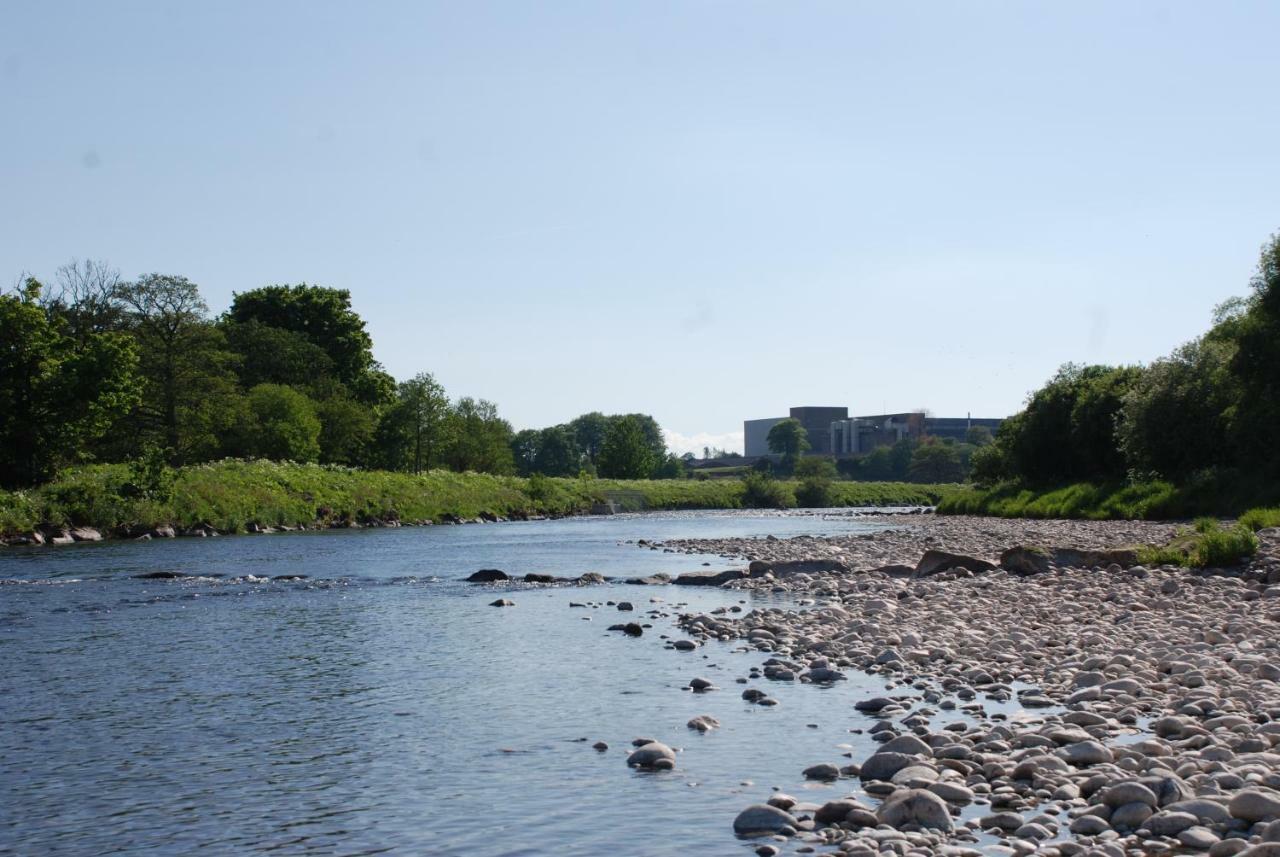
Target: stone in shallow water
{"x": 653, "y": 755}
{"x": 761, "y": 819}
{"x": 502, "y": 602}
{"x": 915, "y": 806}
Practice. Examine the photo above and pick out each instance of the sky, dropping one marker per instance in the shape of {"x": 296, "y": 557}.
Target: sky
{"x": 706, "y": 211}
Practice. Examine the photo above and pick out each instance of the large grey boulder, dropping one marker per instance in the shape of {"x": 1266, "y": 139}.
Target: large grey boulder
{"x": 1255, "y": 805}
{"x": 915, "y": 806}
{"x": 882, "y": 766}
{"x": 1026, "y": 560}
{"x": 762, "y": 819}
{"x": 653, "y": 755}
{"x": 936, "y": 561}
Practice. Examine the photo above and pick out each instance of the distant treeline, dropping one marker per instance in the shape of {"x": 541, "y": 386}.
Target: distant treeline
{"x": 95, "y": 369}
{"x": 1205, "y": 419}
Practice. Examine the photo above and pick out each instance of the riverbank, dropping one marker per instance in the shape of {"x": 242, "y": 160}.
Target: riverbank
{"x": 1222, "y": 495}
{"x": 1055, "y": 702}
{"x": 104, "y": 501}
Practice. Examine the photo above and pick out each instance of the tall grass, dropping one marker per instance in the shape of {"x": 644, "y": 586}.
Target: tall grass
{"x": 1205, "y": 544}
{"x": 1154, "y": 500}
{"x": 230, "y": 495}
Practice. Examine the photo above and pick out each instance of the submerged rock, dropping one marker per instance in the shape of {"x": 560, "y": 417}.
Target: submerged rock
{"x": 488, "y": 575}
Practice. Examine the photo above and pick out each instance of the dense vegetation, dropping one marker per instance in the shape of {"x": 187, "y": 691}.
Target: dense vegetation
{"x": 231, "y": 495}
{"x": 1194, "y": 433}
{"x": 98, "y": 370}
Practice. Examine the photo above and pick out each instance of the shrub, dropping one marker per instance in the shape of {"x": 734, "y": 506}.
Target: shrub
{"x": 761, "y": 492}
{"x": 1206, "y": 544}
{"x": 815, "y": 494}
{"x": 1260, "y": 519}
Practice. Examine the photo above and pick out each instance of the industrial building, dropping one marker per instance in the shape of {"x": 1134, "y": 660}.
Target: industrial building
{"x": 832, "y": 431}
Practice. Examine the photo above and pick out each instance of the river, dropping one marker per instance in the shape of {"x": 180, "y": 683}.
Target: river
{"x": 380, "y": 704}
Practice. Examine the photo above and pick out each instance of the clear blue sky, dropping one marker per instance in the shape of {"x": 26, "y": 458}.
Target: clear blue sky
{"x": 709, "y": 211}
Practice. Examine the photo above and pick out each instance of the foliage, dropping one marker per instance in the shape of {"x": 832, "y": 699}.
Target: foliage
{"x": 58, "y": 394}
{"x": 978, "y": 436}
{"x": 1207, "y": 544}
{"x": 323, "y": 317}
{"x": 1256, "y": 364}
{"x": 627, "y": 452}
{"x": 764, "y": 492}
{"x": 285, "y": 426}
{"x": 417, "y": 429}
{"x": 1260, "y": 519}
{"x": 936, "y": 462}
{"x": 788, "y": 439}
{"x": 476, "y": 438}
{"x": 817, "y": 476}
{"x": 1175, "y": 418}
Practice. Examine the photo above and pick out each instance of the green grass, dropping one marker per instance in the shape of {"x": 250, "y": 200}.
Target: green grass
{"x": 1260, "y": 519}
{"x": 1204, "y": 545}
{"x": 1219, "y": 495}
{"x": 229, "y": 495}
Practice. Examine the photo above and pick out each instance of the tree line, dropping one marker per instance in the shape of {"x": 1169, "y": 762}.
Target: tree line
{"x": 94, "y": 368}
{"x": 1210, "y": 411}
{"x": 926, "y": 459}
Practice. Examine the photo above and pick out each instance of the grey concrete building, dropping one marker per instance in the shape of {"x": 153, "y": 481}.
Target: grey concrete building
{"x": 755, "y": 436}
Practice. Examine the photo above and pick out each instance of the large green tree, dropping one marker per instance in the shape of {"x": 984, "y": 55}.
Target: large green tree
{"x": 627, "y": 452}
{"x": 284, "y": 424}
{"x": 190, "y": 401}
{"x": 58, "y": 393}
{"x": 324, "y": 317}
{"x": 589, "y": 431}
{"x": 479, "y": 439}
{"x": 1256, "y": 366}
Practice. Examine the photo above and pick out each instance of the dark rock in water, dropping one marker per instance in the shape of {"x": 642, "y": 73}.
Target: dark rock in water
{"x": 160, "y": 575}
{"x": 1026, "y": 560}
{"x": 654, "y": 755}
{"x": 290, "y": 577}
{"x": 625, "y": 606}
{"x": 709, "y": 578}
{"x": 631, "y": 629}
{"x": 600, "y": 746}
{"x": 488, "y": 575}
{"x": 502, "y": 602}
{"x": 660, "y": 579}
{"x": 762, "y": 819}
{"x": 936, "y": 561}
{"x": 591, "y": 577}
{"x": 539, "y": 578}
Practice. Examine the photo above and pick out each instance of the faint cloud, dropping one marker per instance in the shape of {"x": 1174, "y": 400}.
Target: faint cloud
{"x": 91, "y": 159}
{"x": 681, "y": 443}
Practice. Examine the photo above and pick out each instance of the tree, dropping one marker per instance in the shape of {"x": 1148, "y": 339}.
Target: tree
{"x": 670, "y": 466}
{"x": 1256, "y": 366}
{"x": 86, "y": 298}
{"x": 416, "y": 429}
{"x": 346, "y": 429}
{"x": 186, "y": 406}
{"x": 325, "y": 318}
{"x": 524, "y": 450}
{"x": 273, "y": 355}
{"x": 557, "y": 453}
{"x": 817, "y": 475}
{"x": 285, "y": 425}
{"x": 935, "y": 463}
{"x": 626, "y": 452}
{"x": 1175, "y": 419}
{"x": 1067, "y": 431}
{"x": 589, "y": 431}
{"x": 788, "y": 439}
{"x": 978, "y": 436}
{"x": 478, "y": 439}
{"x": 56, "y": 395}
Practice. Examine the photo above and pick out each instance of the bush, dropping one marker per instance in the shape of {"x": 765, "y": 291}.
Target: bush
{"x": 761, "y": 492}
{"x": 1260, "y": 519}
{"x": 815, "y": 494}
{"x": 1205, "y": 544}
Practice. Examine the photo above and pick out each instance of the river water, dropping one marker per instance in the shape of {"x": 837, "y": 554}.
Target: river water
{"x": 380, "y": 705}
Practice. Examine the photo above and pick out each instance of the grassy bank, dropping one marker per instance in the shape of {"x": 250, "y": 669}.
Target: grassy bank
{"x": 230, "y": 495}
{"x": 1220, "y": 496}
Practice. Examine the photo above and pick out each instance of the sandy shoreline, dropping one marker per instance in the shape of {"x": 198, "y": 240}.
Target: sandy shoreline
{"x": 1151, "y": 695}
